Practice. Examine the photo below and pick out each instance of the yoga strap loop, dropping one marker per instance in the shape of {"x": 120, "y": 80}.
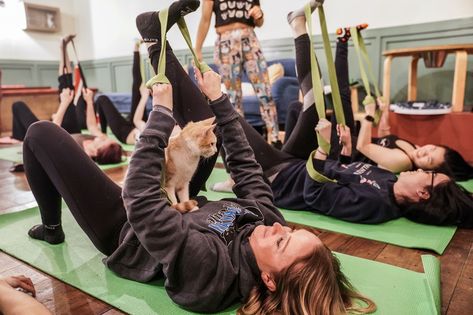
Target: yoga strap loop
{"x": 317, "y": 87}
{"x": 314, "y": 174}
{"x": 363, "y": 58}
{"x": 202, "y": 66}
{"x": 81, "y": 73}
{"x": 160, "y": 77}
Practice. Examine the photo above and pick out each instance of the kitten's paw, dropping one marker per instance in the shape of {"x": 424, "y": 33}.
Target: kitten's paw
{"x": 186, "y": 206}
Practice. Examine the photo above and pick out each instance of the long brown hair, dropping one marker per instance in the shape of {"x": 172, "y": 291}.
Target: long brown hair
{"x": 313, "y": 285}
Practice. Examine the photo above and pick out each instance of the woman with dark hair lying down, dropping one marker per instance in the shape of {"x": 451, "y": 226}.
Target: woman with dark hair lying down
{"x": 233, "y": 250}
{"x": 356, "y": 192}
{"x": 387, "y": 150}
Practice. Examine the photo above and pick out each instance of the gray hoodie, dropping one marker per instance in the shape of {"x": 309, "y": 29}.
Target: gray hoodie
{"x": 205, "y": 255}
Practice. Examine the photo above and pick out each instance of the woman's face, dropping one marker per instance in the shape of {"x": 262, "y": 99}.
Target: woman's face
{"x": 429, "y": 156}
{"x": 91, "y": 147}
{"x": 277, "y": 247}
{"x": 417, "y": 185}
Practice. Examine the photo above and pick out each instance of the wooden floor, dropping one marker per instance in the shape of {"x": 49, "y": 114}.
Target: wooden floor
{"x": 60, "y": 298}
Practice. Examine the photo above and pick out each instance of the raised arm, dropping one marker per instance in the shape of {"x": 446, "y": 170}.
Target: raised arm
{"x": 140, "y": 109}
{"x": 384, "y": 129}
{"x": 91, "y": 120}
{"x": 244, "y": 170}
{"x": 344, "y": 135}
{"x": 386, "y": 158}
{"x": 204, "y": 25}
{"x": 66, "y": 96}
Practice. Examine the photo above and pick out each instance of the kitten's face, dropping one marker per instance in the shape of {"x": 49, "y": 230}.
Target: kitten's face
{"x": 201, "y": 138}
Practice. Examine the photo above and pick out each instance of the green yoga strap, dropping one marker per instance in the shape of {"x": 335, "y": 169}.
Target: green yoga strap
{"x": 363, "y": 58}
{"x": 318, "y": 88}
{"x": 337, "y": 100}
{"x": 202, "y": 66}
{"x": 160, "y": 77}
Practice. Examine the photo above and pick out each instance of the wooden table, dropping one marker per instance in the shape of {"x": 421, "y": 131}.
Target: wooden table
{"x": 434, "y": 56}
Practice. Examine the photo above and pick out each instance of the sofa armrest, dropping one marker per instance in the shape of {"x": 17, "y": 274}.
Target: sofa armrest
{"x": 285, "y": 90}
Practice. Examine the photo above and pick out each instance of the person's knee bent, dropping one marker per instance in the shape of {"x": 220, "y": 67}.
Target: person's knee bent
{"x": 18, "y": 107}
{"x": 102, "y": 100}
{"x": 42, "y": 132}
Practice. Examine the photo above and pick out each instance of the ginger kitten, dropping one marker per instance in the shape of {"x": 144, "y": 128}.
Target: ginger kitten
{"x": 183, "y": 153}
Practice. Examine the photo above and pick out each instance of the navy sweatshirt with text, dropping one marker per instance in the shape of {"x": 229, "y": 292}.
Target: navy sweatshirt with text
{"x": 362, "y": 193}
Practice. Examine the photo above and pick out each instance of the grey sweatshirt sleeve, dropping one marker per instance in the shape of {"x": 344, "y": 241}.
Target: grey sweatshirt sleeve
{"x": 244, "y": 170}
{"x": 159, "y": 228}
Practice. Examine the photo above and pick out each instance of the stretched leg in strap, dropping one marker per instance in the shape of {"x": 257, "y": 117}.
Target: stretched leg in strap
{"x": 188, "y": 102}
{"x": 303, "y": 139}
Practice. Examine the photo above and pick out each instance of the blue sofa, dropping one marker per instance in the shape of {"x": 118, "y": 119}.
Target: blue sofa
{"x": 284, "y": 91}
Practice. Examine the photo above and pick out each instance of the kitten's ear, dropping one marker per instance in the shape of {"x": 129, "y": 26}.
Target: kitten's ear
{"x": 208, "y": 121}
{"x": 209, "y": 129}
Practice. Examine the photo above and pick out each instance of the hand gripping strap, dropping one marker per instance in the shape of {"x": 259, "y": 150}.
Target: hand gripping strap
{"x": 314, "y": 174}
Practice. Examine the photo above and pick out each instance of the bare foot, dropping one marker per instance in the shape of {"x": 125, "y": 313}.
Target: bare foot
{"x": 67, "y": 39}
{"x": 8, "y": 140}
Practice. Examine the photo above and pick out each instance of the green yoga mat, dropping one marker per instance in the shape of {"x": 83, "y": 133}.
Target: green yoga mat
{"x": 400, "y": 232}
{"x": 77, "y": 262}
{"x": 15, "y": 154}
{"x": 468, "y": 185}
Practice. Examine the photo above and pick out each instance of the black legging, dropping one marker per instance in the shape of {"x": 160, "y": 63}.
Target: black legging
{"x": 135, "y": 87}
{"x": 109, "y": 114}
{"x": 302, "y": 137}
{"x": 23, "y": 118}
{"x": 56, "y": 166}
{"x": 65, "y": 81}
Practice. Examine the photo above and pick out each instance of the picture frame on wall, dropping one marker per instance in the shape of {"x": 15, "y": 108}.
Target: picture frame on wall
{"x": 41, "y": 18}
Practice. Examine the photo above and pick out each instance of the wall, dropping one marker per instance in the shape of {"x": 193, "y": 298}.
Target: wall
{"x": 114, "y": 74}
{"x": 114, "y": 20}
{"x": 20, "y": 45}
{"x": 106, "y": 28}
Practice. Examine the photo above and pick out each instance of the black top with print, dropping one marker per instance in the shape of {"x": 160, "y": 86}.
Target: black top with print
{"x": 232, "y": 11}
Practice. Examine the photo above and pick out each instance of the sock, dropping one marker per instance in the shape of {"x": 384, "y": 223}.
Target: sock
{"x": 344, "y": 34}
{"x": 301, "y": 11}
{"x": 53, "y": 234}
{"x": 148, "y": 22}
